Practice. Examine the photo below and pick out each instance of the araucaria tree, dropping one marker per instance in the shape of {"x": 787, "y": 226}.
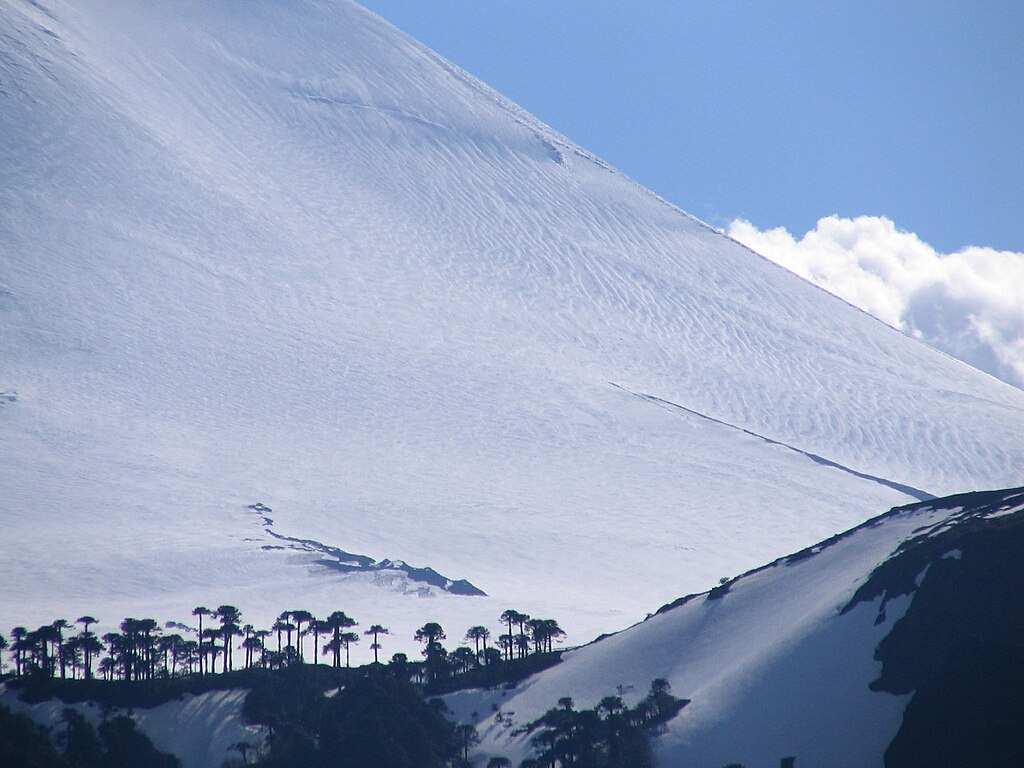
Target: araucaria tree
{"x": 19, "y": 645}
{"x": 347, "y": 639}
{"x": 200, "y": 611}
{"x": 611, "y": 735}
{"x": 432, "y": 634}
{"x": 544, "y": 632}
{"x": 141, "y": 650}
{"x": 89, "y": 643}
{"x": 375, "y": 646}
{"x": 300, "y": 618}
{"x": 510, "y": 617}
{"x": 336, "y": 623}
{"x": 230, "y": 626}
{"x": 478, "y": 634}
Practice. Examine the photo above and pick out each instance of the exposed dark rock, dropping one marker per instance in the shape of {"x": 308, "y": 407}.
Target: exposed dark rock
{"x": 959, "y": 648}
{"x": 339, "y": 560}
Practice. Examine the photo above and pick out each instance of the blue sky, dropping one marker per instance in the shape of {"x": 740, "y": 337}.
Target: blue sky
{"x": 779, "y": 113}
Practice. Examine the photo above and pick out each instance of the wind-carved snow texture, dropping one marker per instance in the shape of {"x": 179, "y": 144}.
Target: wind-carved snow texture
{"x": 280, "y": 251}
{"x": 917, "y": 493}
{"x": 346, "y": 562}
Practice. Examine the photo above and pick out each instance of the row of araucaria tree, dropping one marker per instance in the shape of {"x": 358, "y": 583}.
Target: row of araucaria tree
{"x": 145, "y": 650}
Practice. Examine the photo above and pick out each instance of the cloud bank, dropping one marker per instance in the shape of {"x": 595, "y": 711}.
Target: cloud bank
{"x": 969, "y": 304}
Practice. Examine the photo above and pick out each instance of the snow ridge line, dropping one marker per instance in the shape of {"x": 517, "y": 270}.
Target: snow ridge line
{"x": 909, "y": 490}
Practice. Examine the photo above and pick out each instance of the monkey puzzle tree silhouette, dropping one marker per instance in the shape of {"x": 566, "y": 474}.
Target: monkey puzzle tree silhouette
{"x": 210, "y": 648}
{"x": 506, "y": 643}
{"x": 522, "y": 640}
{"x": 300, "y": 618}
{"x": 107, "y": 667}
{"x": 59, "y": 626}
{"x": 166, "y": 645}
{"x": 544, "y": 632}
{"x": 201, "y": 611}
{"x": 141, "y": 651}
{"x": 190, "y": 654}
{"x": 611, "y": 735}
{"x": 73, "y": 656}
{"x": 463, "y": 657}
{"x": 289, "y": 627}
{"x": 336, "y": 622}
{"x": 399, "y": 664}
{"x": 251, "y": 644}
{"x": 279, "y": 626}
{"x": 510, "y": 617}
{"x": 129, "y": 648}
{"x": 478, "y": 634}
{"x": 115, "y": 658}
{"x": 347, "y": 639}
{"x": 180, "y": 652}
{"x": 43, "y": 644}
{"x": 149, "y": 630}
{"x": 89, "y": 643}
{"x": 317, "y": 628}
{"x": 466, "y": 737}
{"x": 91, "y": 646}
{"x": 19, "y": 646}
{"x": 230, "y": 618}
{"x": 248, "y": 644}
{"x": 375, "y": 630}
{"x": 432, "y": 634}
{"x": 244, "y": 748}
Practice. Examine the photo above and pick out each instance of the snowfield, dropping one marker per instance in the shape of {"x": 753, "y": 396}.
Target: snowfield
{"x": 280, "y": 253}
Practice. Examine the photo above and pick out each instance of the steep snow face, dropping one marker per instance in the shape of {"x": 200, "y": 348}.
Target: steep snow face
{"x": 780, "y": 664}
{"x": 281, "y": 253}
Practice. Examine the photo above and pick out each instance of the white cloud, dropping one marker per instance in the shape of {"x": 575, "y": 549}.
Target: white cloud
{"x": 969, "y": 304}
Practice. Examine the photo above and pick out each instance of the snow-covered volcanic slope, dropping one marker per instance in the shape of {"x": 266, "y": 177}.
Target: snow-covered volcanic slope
{"x": 779, "y": 665}
{"x": 279, "y": 253}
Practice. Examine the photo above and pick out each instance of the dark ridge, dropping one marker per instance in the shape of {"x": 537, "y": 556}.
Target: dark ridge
{"x": 909, "y": 490}
{"x": 508, "y": 674}
{"x": 464, "y": 587}
{"x": 675, "y": 604}
{"x": 974, "y": 503}
{"x": 347, "y": 562}
{"x": 898, "y": 575}
{"x": 717, "y": 593}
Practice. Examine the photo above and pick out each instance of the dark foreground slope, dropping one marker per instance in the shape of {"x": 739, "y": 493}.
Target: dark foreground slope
{"x": 959, "y": 648}
{"x": 898, "y": 643}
